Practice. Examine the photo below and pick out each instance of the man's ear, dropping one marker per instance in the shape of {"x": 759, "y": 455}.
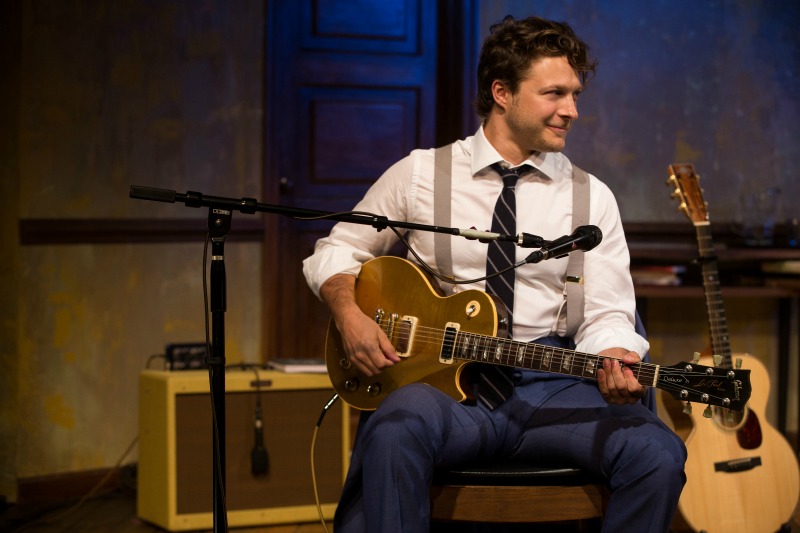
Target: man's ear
{"x": 501, "y": 94}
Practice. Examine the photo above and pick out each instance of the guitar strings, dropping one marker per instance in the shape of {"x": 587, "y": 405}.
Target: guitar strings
{"x": 509, "y": 349}
{"x": 645, "y": 372}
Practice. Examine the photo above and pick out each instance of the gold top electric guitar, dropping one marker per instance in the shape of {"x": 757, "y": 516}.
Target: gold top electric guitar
{"x": 438, "y": 337}
{"x": 742, "y": 475}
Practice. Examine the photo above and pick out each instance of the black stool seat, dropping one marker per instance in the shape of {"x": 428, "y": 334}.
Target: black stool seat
{"x": 514, "y": 473}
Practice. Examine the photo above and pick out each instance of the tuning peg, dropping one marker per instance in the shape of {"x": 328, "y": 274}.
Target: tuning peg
{"x": 707, "y": 412}
{"x": 717, "y": 360}
{"x": 738, "y": 363}
{"x": 729, "y": 417}
{"x": 696, "y": 357}
{"x": 687, "y": 409}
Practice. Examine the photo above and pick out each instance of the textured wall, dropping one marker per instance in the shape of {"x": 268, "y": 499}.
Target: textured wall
{"x": 111, "y": 94}
{"x": 714, "y": 83}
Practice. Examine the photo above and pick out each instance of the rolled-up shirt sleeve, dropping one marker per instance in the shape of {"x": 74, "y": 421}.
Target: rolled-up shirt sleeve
{"x": 349, "y": 245}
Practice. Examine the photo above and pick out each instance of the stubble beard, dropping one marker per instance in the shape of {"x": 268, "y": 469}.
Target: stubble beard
{"x": 536, "y": 136}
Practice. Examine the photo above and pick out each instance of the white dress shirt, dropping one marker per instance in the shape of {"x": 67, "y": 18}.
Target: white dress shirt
{"x": 544, "y": 208}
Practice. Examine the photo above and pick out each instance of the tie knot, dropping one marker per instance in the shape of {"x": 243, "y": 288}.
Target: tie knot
{"x": 510, "y": 175}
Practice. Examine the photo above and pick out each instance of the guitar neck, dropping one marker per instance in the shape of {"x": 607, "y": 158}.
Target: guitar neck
{"x": 717, "y": 323}
{"x": 506, "y": 352}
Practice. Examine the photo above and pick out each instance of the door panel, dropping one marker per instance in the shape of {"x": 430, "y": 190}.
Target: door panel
{"x": 351, "y": 89}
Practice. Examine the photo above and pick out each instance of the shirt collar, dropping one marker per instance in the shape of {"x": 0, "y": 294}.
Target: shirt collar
{"x": 484, "y": 155}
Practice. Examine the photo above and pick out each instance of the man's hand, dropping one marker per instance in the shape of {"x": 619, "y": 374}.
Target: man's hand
{"x": 617, "y": 384}
{"x": 365, "y": 343}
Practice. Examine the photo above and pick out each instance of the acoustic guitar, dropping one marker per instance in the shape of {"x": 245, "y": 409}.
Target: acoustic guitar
{"x": 439, "y": 337}
{"x": 742, "y": 474}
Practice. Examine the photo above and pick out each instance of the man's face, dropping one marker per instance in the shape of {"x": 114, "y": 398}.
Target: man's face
{"x": 545, "y": 105}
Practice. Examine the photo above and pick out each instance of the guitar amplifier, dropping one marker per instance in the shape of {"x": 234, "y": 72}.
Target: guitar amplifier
{"x": 175, "y": 475}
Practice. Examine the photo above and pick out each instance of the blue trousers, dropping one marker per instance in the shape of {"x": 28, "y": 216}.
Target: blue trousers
{"x": 549, "y": 418}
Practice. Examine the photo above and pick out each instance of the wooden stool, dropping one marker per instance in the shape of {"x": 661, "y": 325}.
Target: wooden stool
{"x": 515, "y": 492}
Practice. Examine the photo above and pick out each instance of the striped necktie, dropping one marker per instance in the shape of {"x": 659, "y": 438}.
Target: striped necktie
{"x": 495, "y": 384}
{"x": 502, "y": 254}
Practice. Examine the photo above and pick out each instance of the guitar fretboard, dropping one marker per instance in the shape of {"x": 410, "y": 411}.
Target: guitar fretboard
{"x": 717, "y": 323}
{"x": 506, "y": 352}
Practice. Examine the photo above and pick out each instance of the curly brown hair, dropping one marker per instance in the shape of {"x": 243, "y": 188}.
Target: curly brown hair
{"x": 511, "y": 47}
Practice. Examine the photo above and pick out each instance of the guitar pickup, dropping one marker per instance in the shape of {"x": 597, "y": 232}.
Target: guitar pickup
{"x": 737, "y": 465}
{"x": 403, "y": 332}
{"x": 449, "y": 343}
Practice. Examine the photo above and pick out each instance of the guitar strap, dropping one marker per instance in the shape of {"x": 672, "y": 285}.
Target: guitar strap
{"x": 573, "y": 282}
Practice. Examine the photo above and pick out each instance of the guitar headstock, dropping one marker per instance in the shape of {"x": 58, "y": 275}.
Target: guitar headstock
{"x": 687, "y": 190}
{"x": 692, "y": 382}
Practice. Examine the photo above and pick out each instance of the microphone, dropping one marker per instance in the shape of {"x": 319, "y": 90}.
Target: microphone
{"x": 523, "y": 240}
{"x": 583, "y": 238}
{"x": 259, "y": 460}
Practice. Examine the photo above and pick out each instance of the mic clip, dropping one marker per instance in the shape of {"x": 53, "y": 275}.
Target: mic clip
{"x": 526, "y": 240}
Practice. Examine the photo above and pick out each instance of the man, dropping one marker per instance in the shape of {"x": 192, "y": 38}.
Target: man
{"x": 530, "y": 75}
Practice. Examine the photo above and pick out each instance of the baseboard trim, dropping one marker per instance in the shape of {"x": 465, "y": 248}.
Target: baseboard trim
{"x": 62, "y": 488}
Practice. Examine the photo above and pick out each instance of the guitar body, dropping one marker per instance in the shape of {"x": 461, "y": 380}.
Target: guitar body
{"x": 718, "y": 498}
{"x": 394, "y": 285}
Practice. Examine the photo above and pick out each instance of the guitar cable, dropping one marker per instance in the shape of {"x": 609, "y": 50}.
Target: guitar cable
{"x": 325, "y": 410}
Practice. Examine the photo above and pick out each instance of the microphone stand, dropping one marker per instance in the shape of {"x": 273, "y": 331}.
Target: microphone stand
{"x": 219, "y": 224}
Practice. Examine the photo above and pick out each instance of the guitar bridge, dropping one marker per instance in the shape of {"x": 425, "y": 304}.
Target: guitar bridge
{"x": 737, "y": 465}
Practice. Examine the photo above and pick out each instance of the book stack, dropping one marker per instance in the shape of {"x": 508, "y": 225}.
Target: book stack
{"x": 665, "y": 275}
{"x": 298, "y": 366}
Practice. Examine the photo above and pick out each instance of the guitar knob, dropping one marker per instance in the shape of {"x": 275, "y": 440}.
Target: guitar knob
{"x": 707, "y": 412}
{"x": 351, "y": 384}
{"x": 738, "y": 363}
{"x": 374, "y": 389}
{"x": 717, "y": 360}
{"x": 696, "y": 357}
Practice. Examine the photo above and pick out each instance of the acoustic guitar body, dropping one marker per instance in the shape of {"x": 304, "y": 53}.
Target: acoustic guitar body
{"x": 742, "y": 475}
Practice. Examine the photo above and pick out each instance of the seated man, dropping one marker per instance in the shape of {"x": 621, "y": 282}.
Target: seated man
{"x": 530, "y": 75}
